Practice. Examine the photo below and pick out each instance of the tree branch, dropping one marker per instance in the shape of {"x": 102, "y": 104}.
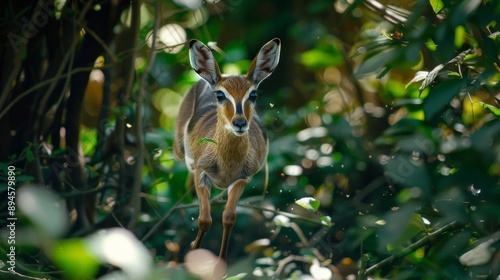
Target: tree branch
{"x": 413, "y": 247}
{"x": 217, "y": 201}
{"x": 139, "y": 158}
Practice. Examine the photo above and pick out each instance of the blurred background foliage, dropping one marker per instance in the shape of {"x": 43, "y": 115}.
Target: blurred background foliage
{"x": 384, "y": 156}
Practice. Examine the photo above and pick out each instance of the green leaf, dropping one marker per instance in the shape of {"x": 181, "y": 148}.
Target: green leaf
{"x": 460, "y": 34}
{"x": 29, "y": 154}
{"x": 204, "y": 140}
{"x": 322, "y": 58}
{"x": 72, "y": 257}
{"x": 400, "y": 226}
{"x": 419, "y": 76}
{"x": 440, "y": 96}
{"x": 431, "y": 76}
{"x": 407, "y": 172}
{"x": 415, "y": 226}
{"x": 326, "y": 221}
{"x": 462, "y": 12}
{"x": 460, "y": 57}
{"x": 430, "y": 45}
{"x": 377, "y": 63}
{"x": 437, "y": 5}
{"x": 308, "y": 203}
{"x": 493, "y": 109}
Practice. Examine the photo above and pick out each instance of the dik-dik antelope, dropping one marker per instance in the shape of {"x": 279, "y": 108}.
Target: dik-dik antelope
{"x": 222, "y": 108}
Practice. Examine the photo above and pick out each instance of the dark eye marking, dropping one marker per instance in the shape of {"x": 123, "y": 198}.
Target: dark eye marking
{"x": 253, "y": 96}
{"x": 220, "y": 95}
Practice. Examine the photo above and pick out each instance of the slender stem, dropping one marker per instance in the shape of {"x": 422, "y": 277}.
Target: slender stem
{"x": 216, "y": 201}
{"x": 7, "y": 85}
{"x": 362, "y": 267}
{"x": 412, "y": 248}
{"x": 46, "y": 82}
{"x": 139, "y": 126}
{"x": 165, "y": 217}
{"x": 290, "y": 215}
{"x": 291, "y": 258}
{"x": 139, "y": 161}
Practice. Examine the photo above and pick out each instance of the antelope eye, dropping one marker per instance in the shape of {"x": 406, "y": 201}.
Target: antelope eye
{"x": 253, "y": 96}
{"x": 220, "y": 95}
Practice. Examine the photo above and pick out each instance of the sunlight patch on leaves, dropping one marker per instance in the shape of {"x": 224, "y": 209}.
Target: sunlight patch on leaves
{"x": 282, "y": 221}
{"x": 45, "y": 209}
{"x": 437, "y": 5}
{"x": 431, "y": 76}
{"x": 326, "y": 221}
{"x": 72, "y": 256}
{"x": 430, "y": 44}
{"x": 419, "y": 76}
{"x": 320, "y": 272}
{"x": 308, "y": 203}
{"x": 120, "y": 248}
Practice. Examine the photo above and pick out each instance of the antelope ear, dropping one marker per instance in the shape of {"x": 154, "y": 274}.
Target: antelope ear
{"x": 203, "y": 62}
{"x": 265, "y": 62}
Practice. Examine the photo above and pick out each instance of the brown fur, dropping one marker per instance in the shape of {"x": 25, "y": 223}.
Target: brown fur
{"x": 238, "y": 153}
{"x": 233, "y": 157}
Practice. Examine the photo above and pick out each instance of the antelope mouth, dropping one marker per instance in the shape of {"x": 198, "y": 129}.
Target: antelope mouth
{"x": 240, "y": 131}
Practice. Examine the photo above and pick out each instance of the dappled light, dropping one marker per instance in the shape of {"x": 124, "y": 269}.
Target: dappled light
{"x": 171, "y": 38}
{"x": 120, "y": 248}
{"x": 45, "y": 210}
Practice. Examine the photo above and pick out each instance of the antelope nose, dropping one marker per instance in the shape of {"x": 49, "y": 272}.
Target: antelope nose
{"x": 239, "y": 123}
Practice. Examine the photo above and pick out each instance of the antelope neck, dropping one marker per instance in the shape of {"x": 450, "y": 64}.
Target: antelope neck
{"x": 229, "y": 145}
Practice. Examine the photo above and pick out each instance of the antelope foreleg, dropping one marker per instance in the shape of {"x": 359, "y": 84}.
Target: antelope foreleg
{"x": 229, "y": 214}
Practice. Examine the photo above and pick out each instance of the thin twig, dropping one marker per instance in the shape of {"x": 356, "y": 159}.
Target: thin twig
{"x": 362, "y": 267}
{"x": 68, "y": 58}
{"x": 100, "y": 41}
{"x": 46, "y": 82}
{"x": 266, "y": 182}
{"x": 166, "y": 216}
{"x": 17, "y": 60}
{"x": 289, "y": 215}
{"x": 252, "y": 206}
{"x": 216, "y": 201}
{"x": 22, "y": 275}
{"x": 177, "y": 206}
{"x": 139, "y": 126}
{"x": 291, "y": 258}
{"x": 139, "y": 161}
{"x": 306, "y": 242}
{"x": 412, "y": 247}
{"x": 152, "y": 54}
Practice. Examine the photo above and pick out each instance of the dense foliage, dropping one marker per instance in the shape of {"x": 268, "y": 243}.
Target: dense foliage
{"x": 384, "y": 156}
